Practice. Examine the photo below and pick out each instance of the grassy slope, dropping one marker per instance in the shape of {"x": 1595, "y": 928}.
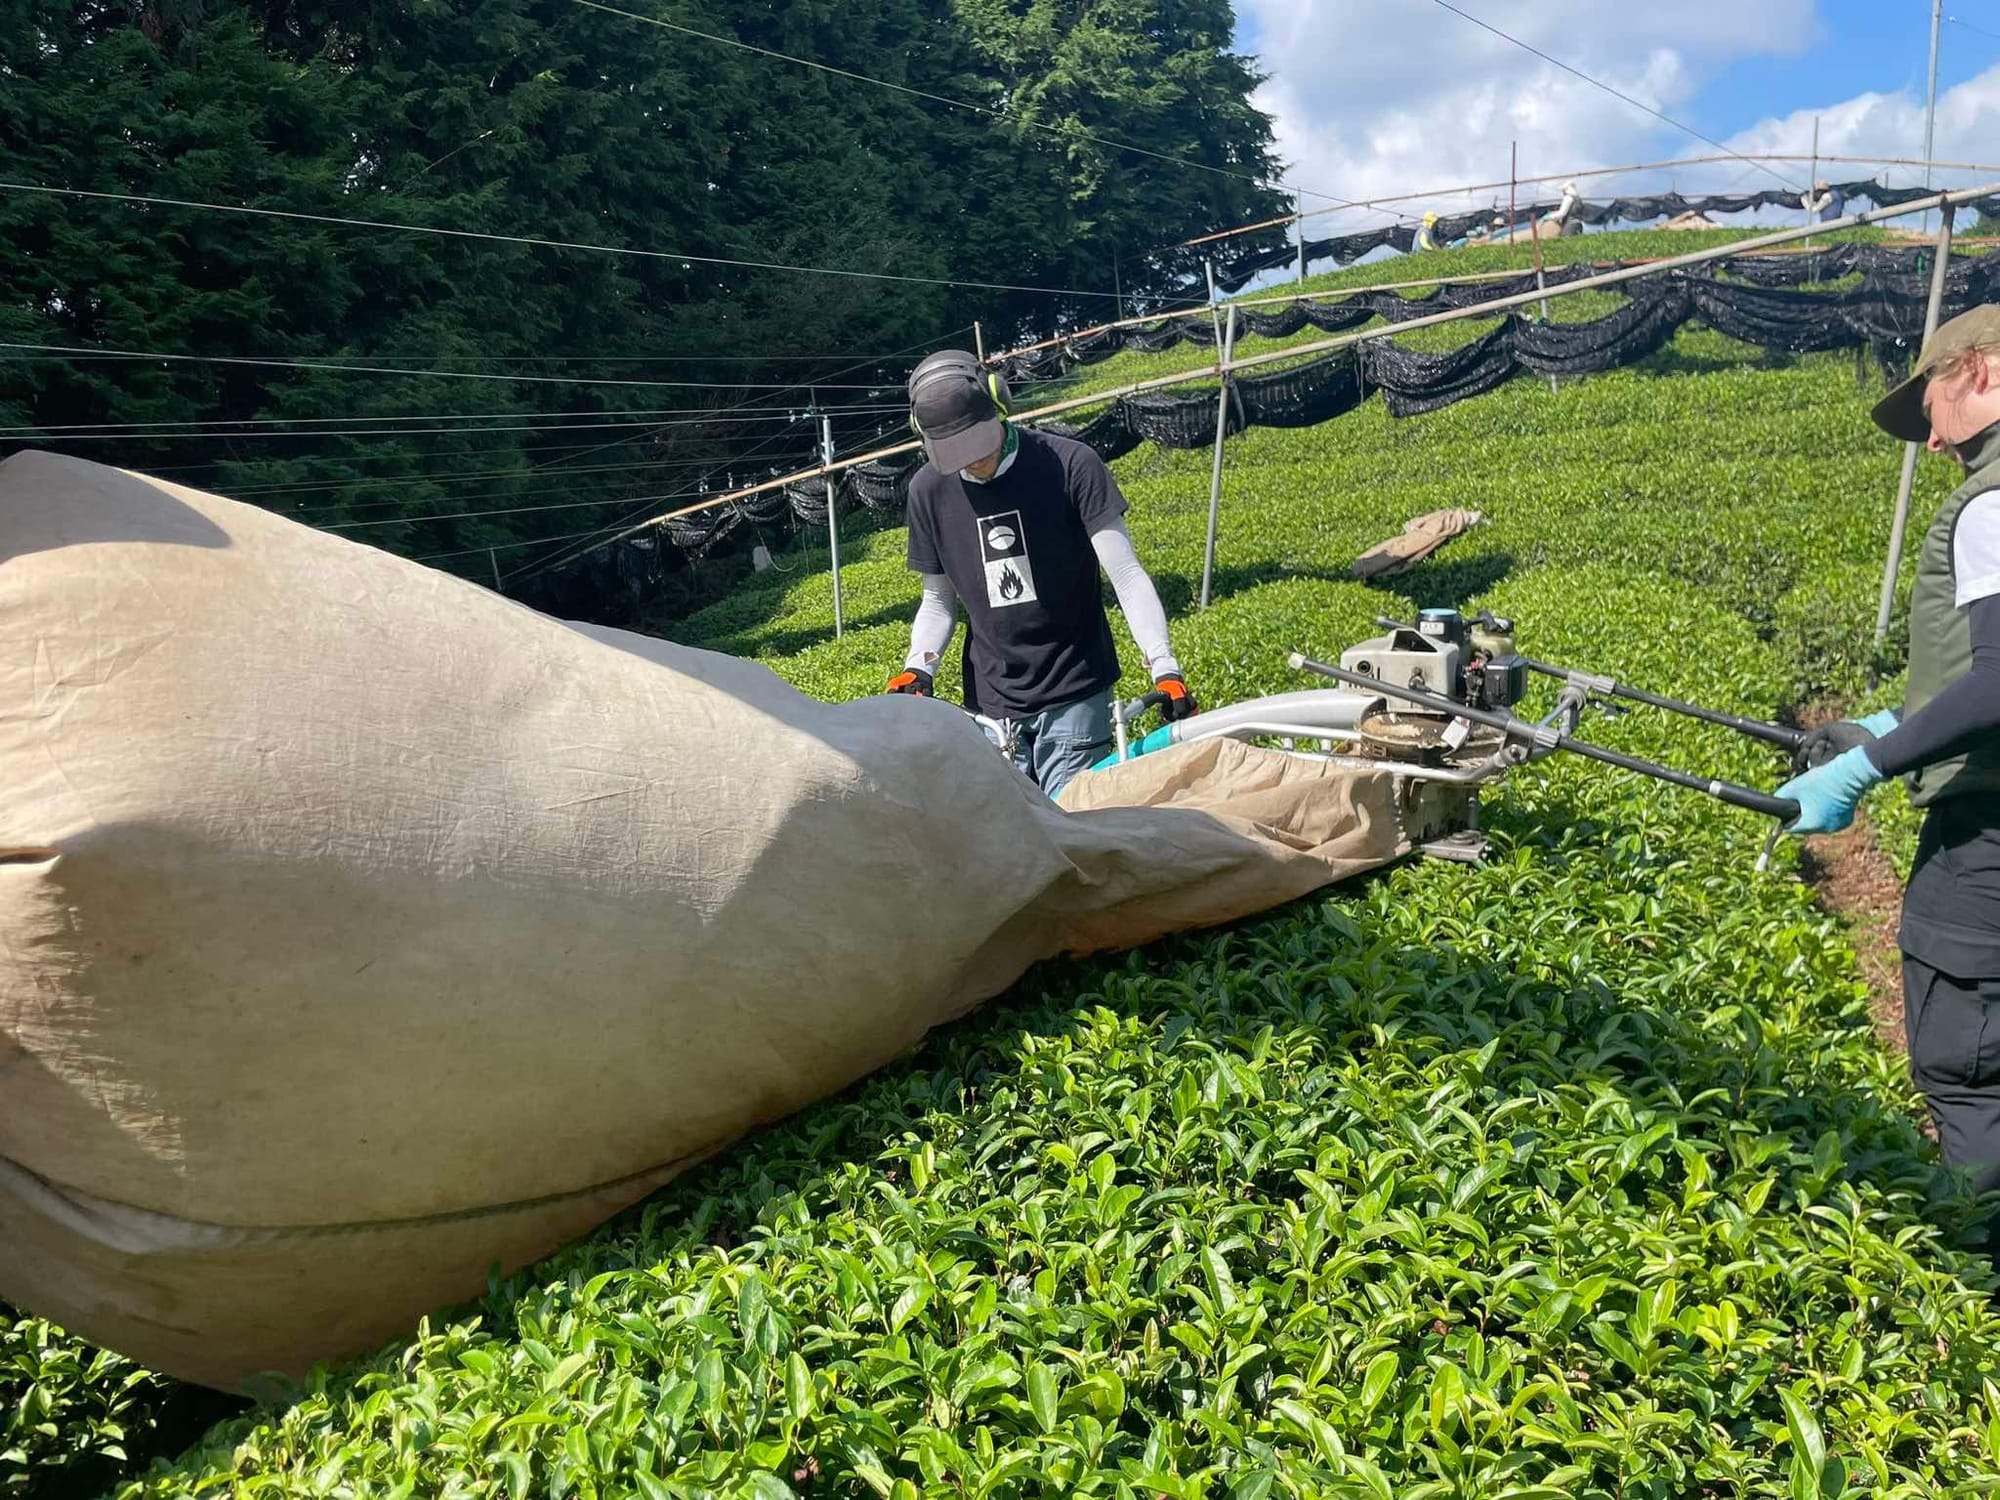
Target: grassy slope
{"x": 1579, "y": 1170}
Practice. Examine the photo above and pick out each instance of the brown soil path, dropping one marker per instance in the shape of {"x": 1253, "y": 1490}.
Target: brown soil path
{"x": 1855, "y": 880}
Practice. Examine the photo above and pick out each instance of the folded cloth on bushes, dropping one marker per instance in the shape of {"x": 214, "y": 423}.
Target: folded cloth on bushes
{"x": 361, "y": 929}
{"x": 1417, "y": 540}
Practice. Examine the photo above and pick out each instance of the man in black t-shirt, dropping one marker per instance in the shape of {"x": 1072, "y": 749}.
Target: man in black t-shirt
{"x": 1014, "y": 525}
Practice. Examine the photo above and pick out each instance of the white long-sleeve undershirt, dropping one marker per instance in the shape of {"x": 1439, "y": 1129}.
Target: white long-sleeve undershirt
{"x": 937, "y": 612}
{"x": 930, "y": 632}
{"x": 1137, "y": 597}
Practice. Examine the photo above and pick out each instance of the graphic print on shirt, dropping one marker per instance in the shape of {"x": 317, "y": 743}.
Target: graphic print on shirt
{"x": 1003, "y": 548}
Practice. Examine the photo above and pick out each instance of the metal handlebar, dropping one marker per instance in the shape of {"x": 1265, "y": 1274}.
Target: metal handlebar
{"x": 1122, "y": 715}
{"x": 1772, "y": 734}
{"x": 1545, "y": 737}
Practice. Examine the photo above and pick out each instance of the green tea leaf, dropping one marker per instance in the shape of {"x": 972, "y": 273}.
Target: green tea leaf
{"x": 1042, "y": 1396}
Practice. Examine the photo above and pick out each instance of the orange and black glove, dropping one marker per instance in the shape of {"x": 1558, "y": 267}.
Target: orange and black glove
{"x": 913, "y": 680}
{"x": 1180, "y": 702}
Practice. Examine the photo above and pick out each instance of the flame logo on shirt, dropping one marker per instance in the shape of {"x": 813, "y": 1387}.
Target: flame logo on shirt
{"x": 1003, "y": 552}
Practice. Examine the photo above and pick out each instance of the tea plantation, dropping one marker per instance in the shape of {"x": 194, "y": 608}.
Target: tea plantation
{"x": 1577, "y": 1174}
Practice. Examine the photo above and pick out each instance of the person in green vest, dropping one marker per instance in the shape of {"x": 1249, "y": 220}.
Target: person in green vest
{"x": 1946, "y": 740}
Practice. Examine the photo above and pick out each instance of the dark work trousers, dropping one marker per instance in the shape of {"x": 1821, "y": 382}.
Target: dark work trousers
{"x": 1953, "y": 1029}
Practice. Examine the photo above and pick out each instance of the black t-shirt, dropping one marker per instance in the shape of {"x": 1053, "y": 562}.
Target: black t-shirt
{"x": 1017, "y": 551}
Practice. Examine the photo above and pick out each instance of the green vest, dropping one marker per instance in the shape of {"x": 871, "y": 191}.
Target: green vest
{"x": 1941, "y": 632}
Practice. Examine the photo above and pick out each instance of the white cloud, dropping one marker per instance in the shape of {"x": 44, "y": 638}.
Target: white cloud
{"x": 1968, "y": 128}
{"x": 1380, "y": 97}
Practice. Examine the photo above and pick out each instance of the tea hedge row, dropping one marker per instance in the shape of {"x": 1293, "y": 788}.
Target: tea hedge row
{"x": 1577, "y": 1174}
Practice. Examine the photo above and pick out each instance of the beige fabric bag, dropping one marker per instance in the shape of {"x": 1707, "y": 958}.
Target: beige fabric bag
{"x": 360, "y": 929}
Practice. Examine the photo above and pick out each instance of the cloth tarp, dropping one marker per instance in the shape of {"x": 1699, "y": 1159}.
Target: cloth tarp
{"x": 1344, "y": 249}
{"x": 1418, "y": 539}
{"x": 360, "y": 928}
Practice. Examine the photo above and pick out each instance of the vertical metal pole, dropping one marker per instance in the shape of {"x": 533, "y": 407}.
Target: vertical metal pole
{"x": 1513, "y": 167}
{"x": 494, "y": 558}
{"x": 1299, "y": 207}
{"x": 1215, "y": 471}
{"x": 1541, "y": 282}
{"x": 1902, "y": 518}
{"x": 1214, "y": 307}
{"x": 832, "y": 518}
{"x": 1930, "y": 107}
{"x": 1541, "y": 285}
{"x": 1812, "y": 180}
{"x": 978, "y": 341}
{"x": 1117, "y": 287}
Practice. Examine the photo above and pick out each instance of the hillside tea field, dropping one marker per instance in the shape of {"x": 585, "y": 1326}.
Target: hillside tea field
{"x": 1577, "y": 1174}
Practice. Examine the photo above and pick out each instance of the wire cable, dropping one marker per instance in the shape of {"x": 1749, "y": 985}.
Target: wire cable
{"x": 1970, "y": 27}
{"x": 622, "y": 526}
{"x": 575, "y": 450}
{"x": 619, "y": 528}
{"x": 350, "y": 432}
{"x": 308, "y": 364}
{"x": 665, "y": 466}
{"x": 984, "y": 109}
{"x": 133, "y": 428}
{"x": 502, "y": 547}
{"x": 468, "y": 515}
{"x": 1607, "y": 88}
{"x": 539, "y": 242}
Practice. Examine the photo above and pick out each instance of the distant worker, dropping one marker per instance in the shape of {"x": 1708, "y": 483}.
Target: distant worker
{"x": 1014, "y": 524}
{"x": 1563, "y": 219}
{"x": 1824, "y": 203}
{"x": 1428, "y": 238}
{"x": 1946, "y": 740}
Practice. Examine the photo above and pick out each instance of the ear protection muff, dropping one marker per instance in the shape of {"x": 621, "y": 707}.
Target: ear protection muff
{"x": 955, "y": 364}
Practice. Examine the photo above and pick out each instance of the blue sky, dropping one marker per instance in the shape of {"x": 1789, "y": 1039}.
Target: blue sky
{"x": 1882, "y": 45}
{"x": 1374, "y": 97}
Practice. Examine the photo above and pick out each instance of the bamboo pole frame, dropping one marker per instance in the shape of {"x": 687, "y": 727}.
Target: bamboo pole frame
{"x": 1464, "y": 190}
{"x": 1467, "y": 278}
{"x": 1219, "y": 368}
{"x": 1893, "y": 565}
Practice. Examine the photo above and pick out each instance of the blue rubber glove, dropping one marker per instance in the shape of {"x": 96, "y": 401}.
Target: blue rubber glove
{"x": 1828, "y": 794}
{"x": 1880, "y": 722}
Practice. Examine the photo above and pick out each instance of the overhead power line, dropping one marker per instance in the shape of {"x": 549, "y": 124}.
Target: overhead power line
{"x": 1598, "y": 83}
{"x": 467, "y": 515}
{"x": 89, "y": 352}
{"x": 551, "y": 466}
{"x": 984, "y": 109}
{"x": 647, "y": 359}
{"x": 585, "y": 542}
{"x": 664, "y": 466}
{"x": 1970, "y": 27}
{"x": 538, "y": 242}
{"x": 588, "y": 541}
{"x": 436, "y": 416}
{"x": 585, "y": 546}
{"x": 30, "y": 434}
{"x": 540, "y": 541}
